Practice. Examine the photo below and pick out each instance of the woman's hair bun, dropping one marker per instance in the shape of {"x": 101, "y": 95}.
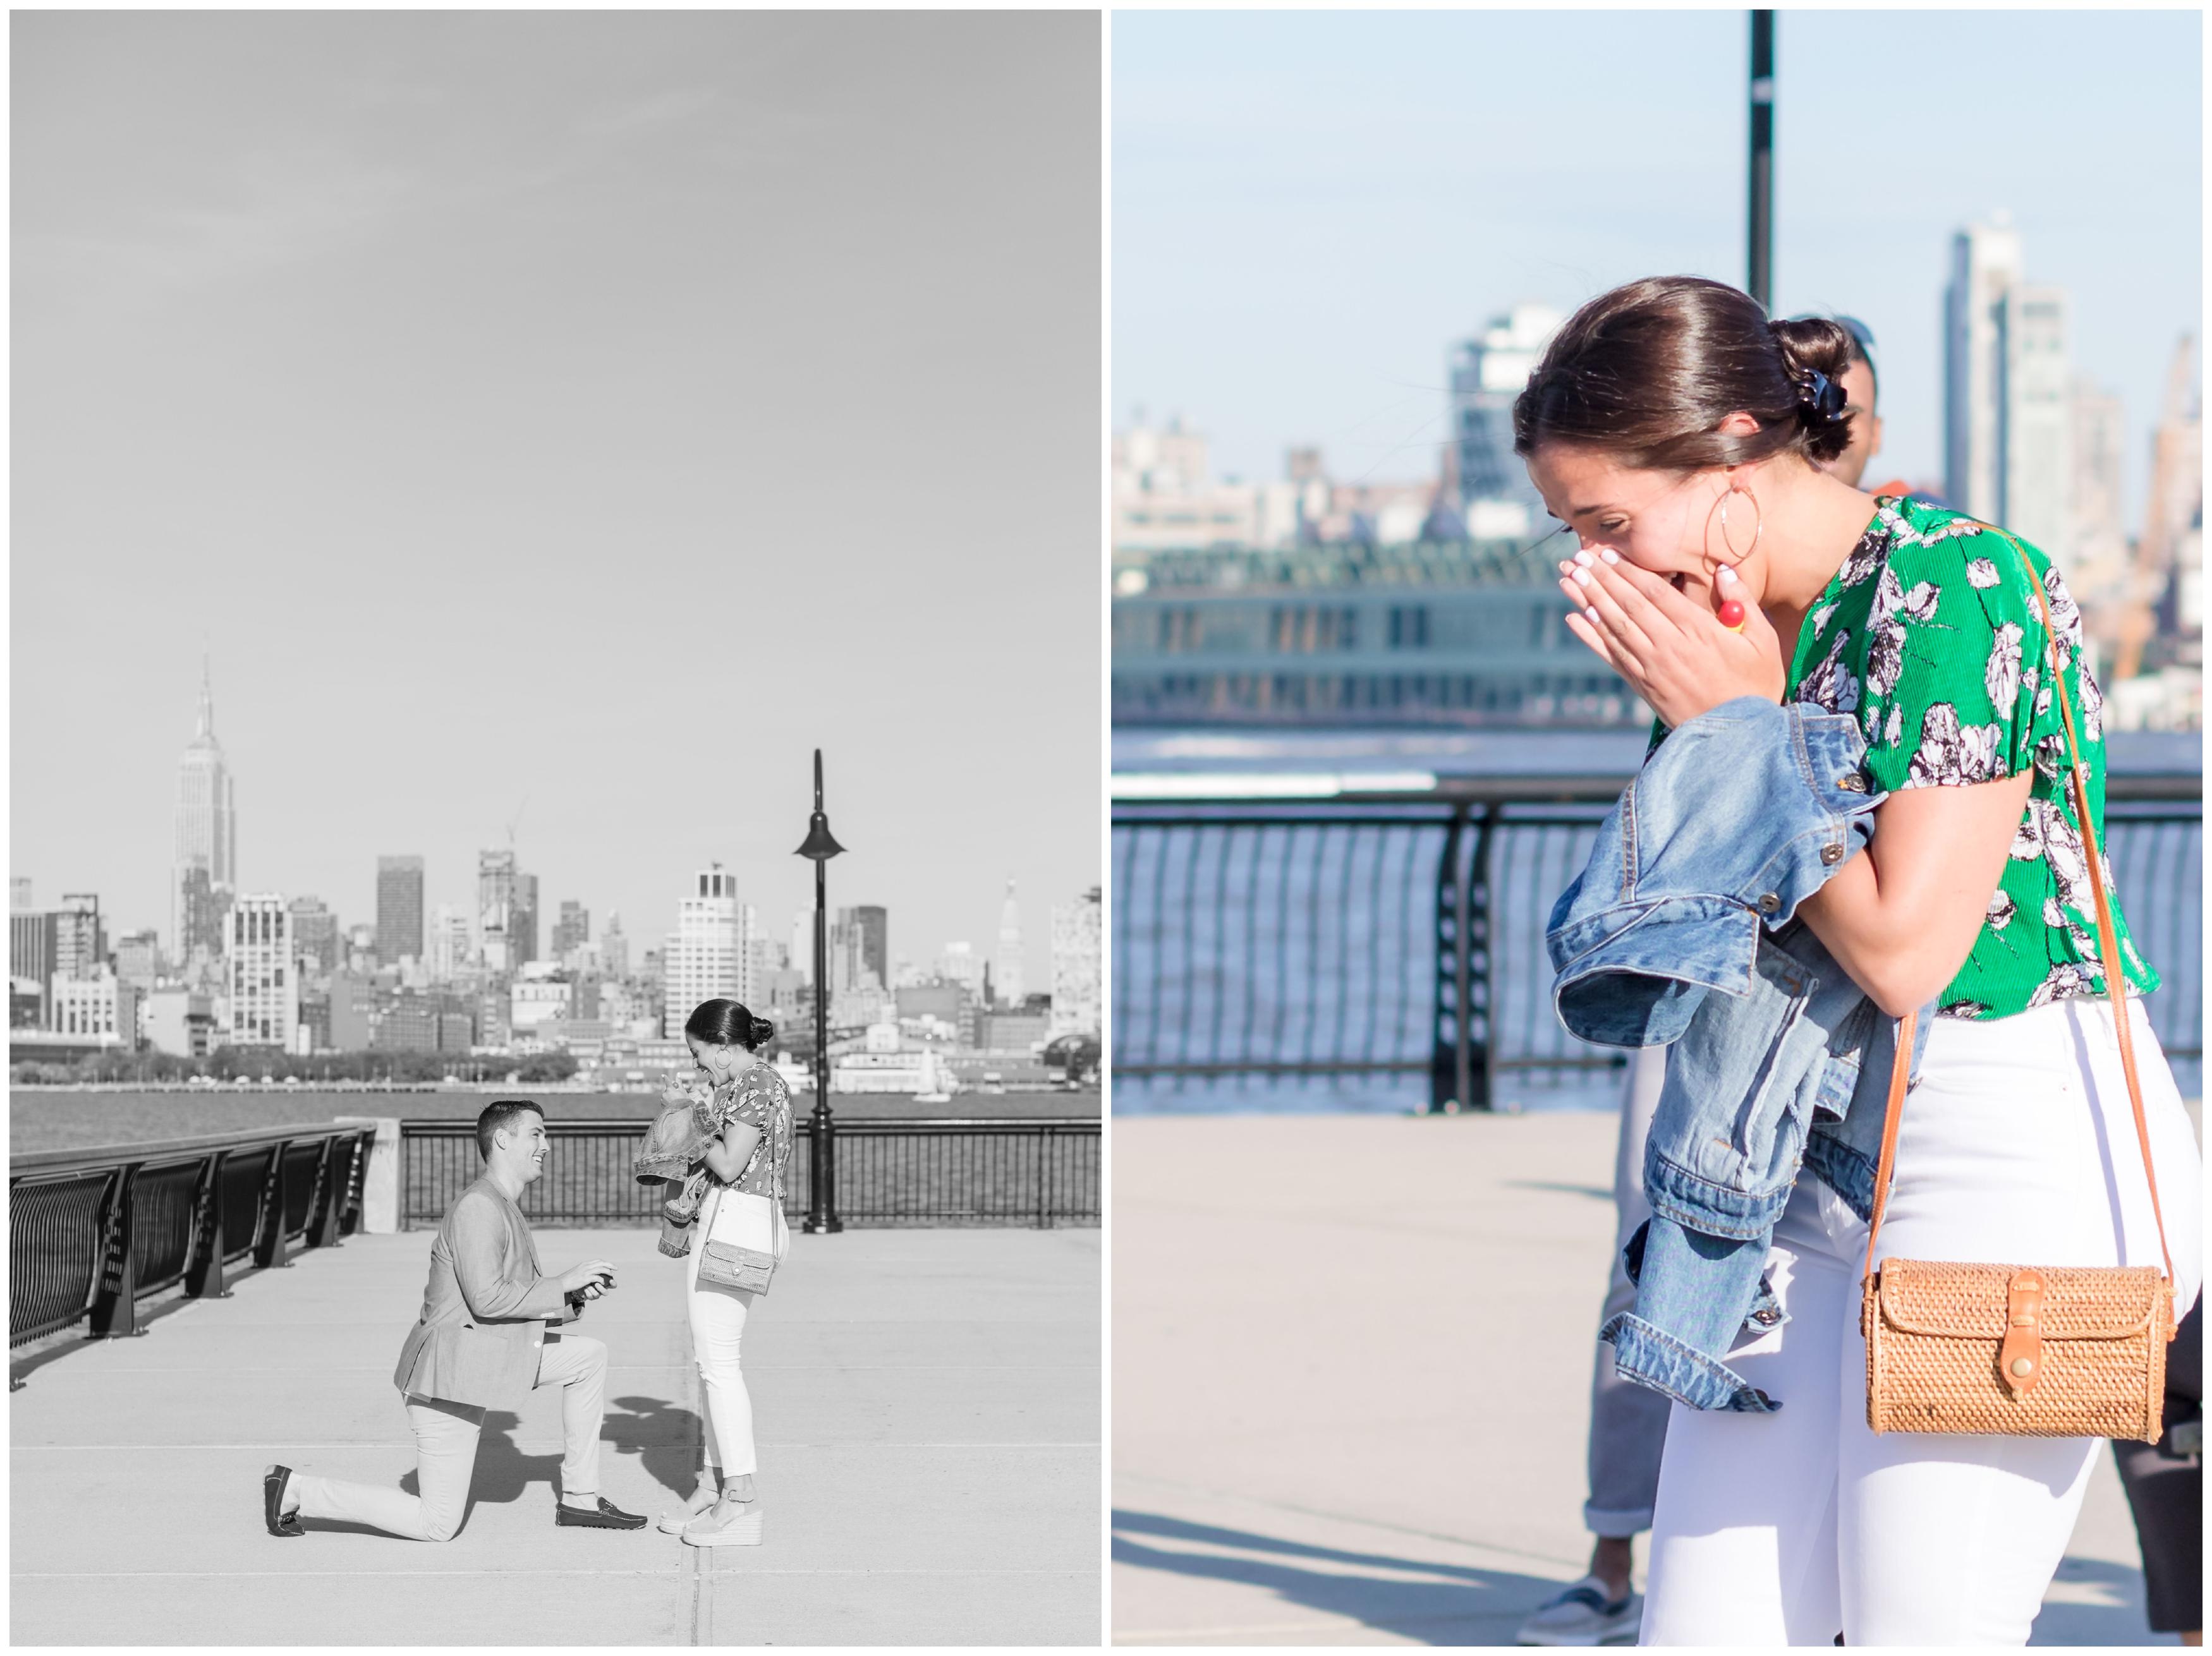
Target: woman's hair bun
{"x": 764, "y": 1032}
{"x": 1815, "y": 352}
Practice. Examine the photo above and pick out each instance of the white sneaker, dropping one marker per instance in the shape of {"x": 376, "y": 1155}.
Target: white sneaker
{"x": 1583, "y": 1615}
{"x": 725, "y": 1524}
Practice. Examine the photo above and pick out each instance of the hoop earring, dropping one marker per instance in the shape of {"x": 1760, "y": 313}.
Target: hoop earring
{"x": 1720, "y": 508}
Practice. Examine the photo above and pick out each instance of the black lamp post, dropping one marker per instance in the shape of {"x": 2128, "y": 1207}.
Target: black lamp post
{"x": 1762, "y": 157}
{"x": 820, "y": 847}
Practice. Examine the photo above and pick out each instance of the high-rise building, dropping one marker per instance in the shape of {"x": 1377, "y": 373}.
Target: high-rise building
{"x": 875, "y": 941}
{"x": 450, "y": 943}
{"x": 1075, "y": 961}
{"x": 847, "y": 955}
{"x": 315, "y": 934}
{"x": 263, "y": 974}
{"x": 33, "y": 955}
{"x": 802, "y": 943}
{"x": 2008, "y": 397}
{"x": 207, "y": 837}
{"x": 80, "y": 940}
{"x": 1486, "y": 373}
{"x": 494, "y": 940}
{"x": 705, "y": 955}
{"x": 573, "y": 930}
{"x": 1007, "y": 964}
{"x": 523, "y": 929}
{"x": 138, "y": 958}
{"x": 614, "y": 948}
{"x": 204, "y": 907}
{"x": 399, "y": 909}
{"x": 959, "y": 963}
{"x": 2100, "y": 541}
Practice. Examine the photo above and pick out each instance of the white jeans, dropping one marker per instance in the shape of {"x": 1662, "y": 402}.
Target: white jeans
{"x": 2017, "y": 1147}
{"x": 718, "y": 1326}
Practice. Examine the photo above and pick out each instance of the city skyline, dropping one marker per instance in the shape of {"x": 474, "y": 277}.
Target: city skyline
{"x": 562, "y": 420}
{"x": 400, "y": 885}
{"x": 1390, "y": 150}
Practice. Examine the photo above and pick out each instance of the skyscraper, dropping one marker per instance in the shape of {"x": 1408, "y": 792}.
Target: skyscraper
{"x": 1486, "y": 374}
{"x": 2008, "y": 394}
{"x": 399, "y": 908}
{"x": 80, "y": 940}
{"x": 315, "y": 933}
{"x": 264, "y": 979}
{"x": 207, "y": 837}
{"x": 614, "y": 948}
{"x": 449, "y": 943}
{"x": 1007, "y": 965}
{"x": 522, "y": 930}
{"x": 495, "y": 910}
{"x": 573, "y": 930}
{"x": 1075, "y": 961}
{"x": 704, "y": 958}
{"x": 875, "y": 941}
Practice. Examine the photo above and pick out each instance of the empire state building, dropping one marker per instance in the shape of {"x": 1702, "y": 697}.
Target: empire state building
{"x": 206, "y": 872}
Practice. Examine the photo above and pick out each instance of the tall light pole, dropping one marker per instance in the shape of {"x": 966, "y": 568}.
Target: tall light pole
{"x": 821, "y": 1189}
{"x": 1762, "y": 158}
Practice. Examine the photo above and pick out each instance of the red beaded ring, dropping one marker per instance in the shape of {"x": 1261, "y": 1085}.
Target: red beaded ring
{"x": 1733, "y": 615}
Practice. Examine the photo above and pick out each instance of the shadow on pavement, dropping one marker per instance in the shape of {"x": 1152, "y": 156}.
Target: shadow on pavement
{"x": 1415, "y": 1598}
{"x": 2118, "y": 1620}
{"x": 666, "y": 1440}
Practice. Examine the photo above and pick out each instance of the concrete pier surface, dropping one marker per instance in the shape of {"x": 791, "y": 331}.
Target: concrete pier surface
{"x": 928, "y": 1405}
{"x": 1351, "y": 1383}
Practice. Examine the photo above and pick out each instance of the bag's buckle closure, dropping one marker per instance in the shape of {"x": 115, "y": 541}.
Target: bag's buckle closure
{"x": 2019, "y": 1358}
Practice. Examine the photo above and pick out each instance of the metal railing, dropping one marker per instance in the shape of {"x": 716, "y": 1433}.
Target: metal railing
{"x": 1398, "y": 933}
{"x": 94, "y": 1233}
{"x": 1033, "y": 1172}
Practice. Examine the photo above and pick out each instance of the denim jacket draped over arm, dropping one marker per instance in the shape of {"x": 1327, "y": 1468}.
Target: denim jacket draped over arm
{"x": 1682, "y": 930}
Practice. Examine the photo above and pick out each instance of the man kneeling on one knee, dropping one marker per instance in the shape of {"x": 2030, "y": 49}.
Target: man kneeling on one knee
{"x": 482, "y": 1342}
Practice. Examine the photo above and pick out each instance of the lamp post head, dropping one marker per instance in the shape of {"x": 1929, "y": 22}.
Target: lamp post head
{"x": 820, "y": 845}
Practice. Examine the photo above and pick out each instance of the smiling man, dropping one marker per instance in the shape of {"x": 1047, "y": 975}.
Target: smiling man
{"x": 482, "y": 1343}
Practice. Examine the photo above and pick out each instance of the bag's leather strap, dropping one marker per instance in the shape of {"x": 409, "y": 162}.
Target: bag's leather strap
{"x": 2107, "y": 947}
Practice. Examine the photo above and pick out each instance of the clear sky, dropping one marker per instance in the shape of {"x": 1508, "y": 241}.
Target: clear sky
{"x": 591, "y": 409}
{"x": 1309, "y": 208}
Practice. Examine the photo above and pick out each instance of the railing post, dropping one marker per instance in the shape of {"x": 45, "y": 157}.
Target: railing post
{"x": 203, "y": 1278}
{"x": 115, "y": 1308}
{"x": 1044, "y": 1175}
{"x": 1474, "y": 1054}
{"x": 269, "y": 1235}
{"x": 822, "y": 1175}
{"x": 1447, "y": 1061}
{"x": 323, "y": 1208}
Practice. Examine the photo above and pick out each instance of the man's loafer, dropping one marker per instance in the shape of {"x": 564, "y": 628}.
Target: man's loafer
{"x": 608, "y": 1517}
{"x": 280, "y": 1522}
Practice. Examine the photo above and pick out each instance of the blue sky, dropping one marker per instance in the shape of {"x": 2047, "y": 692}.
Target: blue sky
{"x": 1310, "y": 207}
{"x": 593, "y": 410}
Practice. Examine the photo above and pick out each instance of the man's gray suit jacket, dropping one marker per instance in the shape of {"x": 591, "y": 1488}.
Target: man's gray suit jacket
{"x": 483, "y": 1309}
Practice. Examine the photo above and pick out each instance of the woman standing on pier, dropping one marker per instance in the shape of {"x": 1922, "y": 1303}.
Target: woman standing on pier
{"x": 1660, "y": 412}
{"x": 745, "y": 1113}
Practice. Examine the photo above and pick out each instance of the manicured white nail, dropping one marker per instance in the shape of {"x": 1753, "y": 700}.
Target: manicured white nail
{"x": 1582, "y": 557}
{"x": 1611, "y": 556}
{"x": 1590, "y": 615}
{"x": 1727, "y": 575}
{"x": 1581, "y": 578}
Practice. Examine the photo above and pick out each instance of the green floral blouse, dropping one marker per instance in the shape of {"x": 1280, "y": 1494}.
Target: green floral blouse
{"x": 1929, "y": 633}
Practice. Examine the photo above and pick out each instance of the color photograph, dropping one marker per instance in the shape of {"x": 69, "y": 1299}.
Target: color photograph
{"x": 1655, "y": 909}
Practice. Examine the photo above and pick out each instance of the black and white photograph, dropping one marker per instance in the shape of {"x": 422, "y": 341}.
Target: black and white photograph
{"x": 555, "y": 1004}
{"x": 1654, "y": 899}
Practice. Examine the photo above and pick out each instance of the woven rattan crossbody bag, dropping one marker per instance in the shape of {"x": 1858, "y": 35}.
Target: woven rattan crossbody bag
{"x": 727, "y": 1261}
{"x": 2067, "y": 1352}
